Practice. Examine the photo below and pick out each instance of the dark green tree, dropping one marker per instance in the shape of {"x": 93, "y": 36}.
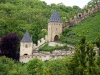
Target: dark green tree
{"x": 91, "y": 54}
{"x": 77, "y": 64}
{"x": 98, "y": 53}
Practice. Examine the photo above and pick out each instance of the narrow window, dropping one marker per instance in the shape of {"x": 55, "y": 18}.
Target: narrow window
{"x": 26, "y": 46}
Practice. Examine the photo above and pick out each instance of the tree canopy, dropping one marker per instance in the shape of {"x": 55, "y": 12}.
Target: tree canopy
{"x": 33, "y": 15}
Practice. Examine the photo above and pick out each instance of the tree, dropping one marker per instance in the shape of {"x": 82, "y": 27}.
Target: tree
{"x": 98, "y": 58}
{"x": 77, "y": 64}
{"x": 35, "y": 67}
{"x": 91, "y": 67}
{"x": 9, "y": 45}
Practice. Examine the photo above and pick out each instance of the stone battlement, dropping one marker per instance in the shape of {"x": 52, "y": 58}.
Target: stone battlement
{"x": 82, "y": 16}
{"x": 44, "y": 55}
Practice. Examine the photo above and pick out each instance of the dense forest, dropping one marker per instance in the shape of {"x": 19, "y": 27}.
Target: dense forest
{"x": 20, "y": 15}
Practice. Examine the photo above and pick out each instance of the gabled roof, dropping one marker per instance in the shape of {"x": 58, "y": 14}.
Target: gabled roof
{"x": 80, "y": 11}
{"x": 55, "y": 17}
{"x": 26, "y": 37}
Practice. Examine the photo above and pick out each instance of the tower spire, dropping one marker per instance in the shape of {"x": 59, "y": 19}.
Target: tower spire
{"x": 26, "y": 37}
{"x": 55, "y": 17}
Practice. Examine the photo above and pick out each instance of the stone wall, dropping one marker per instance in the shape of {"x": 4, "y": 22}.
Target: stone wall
{"x": 43, "y": 55}
{"x": 40, "y": 42}
{"x": 81, "y": 16}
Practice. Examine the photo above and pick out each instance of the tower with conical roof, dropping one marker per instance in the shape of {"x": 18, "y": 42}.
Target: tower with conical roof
{"x": 26, "y": 45}
{"x": 54, "y": 26}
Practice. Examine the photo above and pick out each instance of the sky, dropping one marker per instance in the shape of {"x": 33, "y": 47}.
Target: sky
{"x": 80, "y": 3}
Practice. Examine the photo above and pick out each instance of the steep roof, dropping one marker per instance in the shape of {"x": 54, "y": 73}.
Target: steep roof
{"x": 80, "y": 11}
{"x": 26, "y": 37}
{"x": 55, "y": 17}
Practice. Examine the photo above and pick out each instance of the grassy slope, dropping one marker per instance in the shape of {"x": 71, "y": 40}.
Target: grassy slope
{"x": 91, "y": 27}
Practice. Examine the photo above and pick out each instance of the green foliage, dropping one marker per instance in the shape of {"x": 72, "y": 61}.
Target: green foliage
{"x": 63, "y": 36}
{"x": 98, "y": 57}
{"x": 35, "y": 67}
{"x": 33, "y": 15}
{"x": 10, "y": 67}
{"x": 52, "y": 48}
{"x": 56, "y": 67}
{"x": 90, "y": 26}
{"x": 83, "y": 60}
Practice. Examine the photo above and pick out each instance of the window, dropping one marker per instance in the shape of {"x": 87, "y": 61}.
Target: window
{"x": 26, "y": 46}
{"x": 79, "y": 16}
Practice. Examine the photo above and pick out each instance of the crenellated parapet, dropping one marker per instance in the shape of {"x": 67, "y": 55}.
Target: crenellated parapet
{"x": 41, "y": 42}
{"x": 81, "y": 15}
{"x": 44, "y": 55}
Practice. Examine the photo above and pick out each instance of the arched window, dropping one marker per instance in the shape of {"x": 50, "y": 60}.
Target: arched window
{"x": 26, "y": 46}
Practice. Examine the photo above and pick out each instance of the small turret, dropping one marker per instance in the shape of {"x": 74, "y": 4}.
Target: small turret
{"x": 79, "y": 13}
{"x": 26, "y": 45}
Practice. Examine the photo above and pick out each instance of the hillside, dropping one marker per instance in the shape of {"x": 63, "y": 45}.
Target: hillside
{"x": 17, "y": 16}
{"x": 90, "y": 27}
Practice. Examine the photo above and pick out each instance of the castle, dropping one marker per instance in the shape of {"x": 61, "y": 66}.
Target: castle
{"x": 29, "y": 50}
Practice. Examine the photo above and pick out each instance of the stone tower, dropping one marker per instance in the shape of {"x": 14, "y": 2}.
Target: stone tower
{"x": 26, "y": 45}
{"x": 79, "y": 13}
{"x": 54, "y": 26}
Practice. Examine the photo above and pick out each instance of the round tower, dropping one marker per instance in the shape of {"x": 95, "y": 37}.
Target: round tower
{"x": 54, "y": 27}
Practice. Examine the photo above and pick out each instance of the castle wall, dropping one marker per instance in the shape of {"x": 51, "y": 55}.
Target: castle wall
{"x": 41, "y": 42}
{"x": 82, "y": 16}
{"x": 43, "y": 55}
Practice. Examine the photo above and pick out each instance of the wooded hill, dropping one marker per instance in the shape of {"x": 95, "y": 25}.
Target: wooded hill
{"x": 33, "y": 15}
